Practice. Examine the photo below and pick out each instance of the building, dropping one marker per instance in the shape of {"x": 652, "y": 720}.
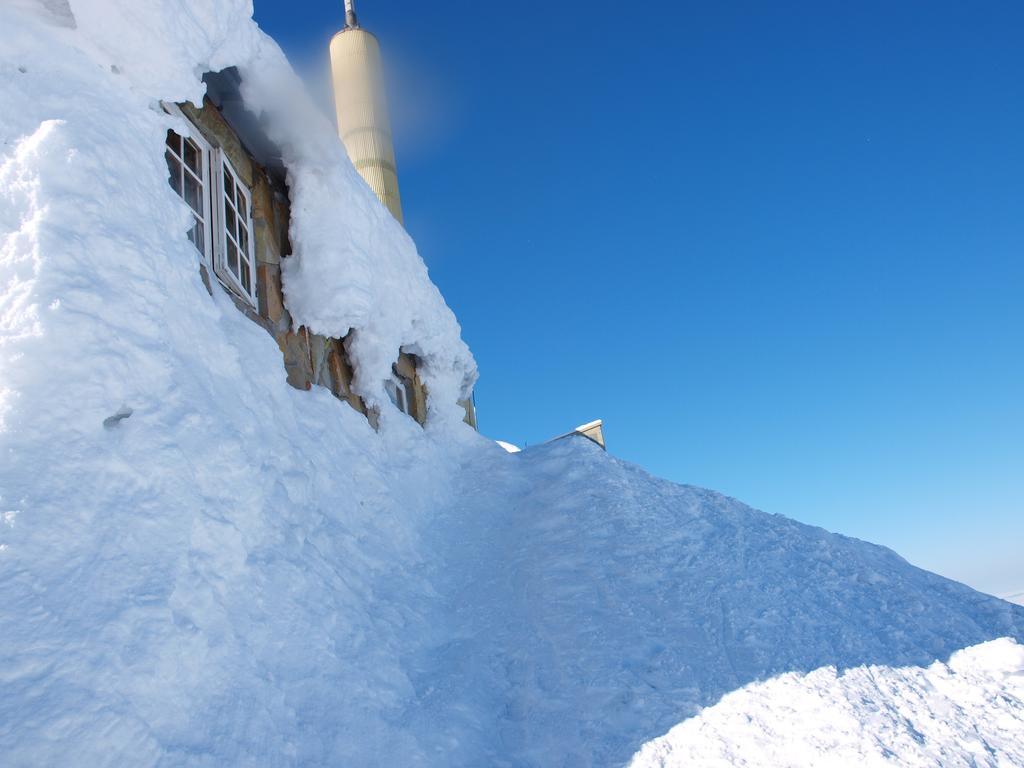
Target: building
{"x": 232, "y": 178}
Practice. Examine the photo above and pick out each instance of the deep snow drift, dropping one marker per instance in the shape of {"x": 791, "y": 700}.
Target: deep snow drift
{"x": 960, "y": 715}
{"x": 587, "y": 607}
{"x": 239, "y": 573}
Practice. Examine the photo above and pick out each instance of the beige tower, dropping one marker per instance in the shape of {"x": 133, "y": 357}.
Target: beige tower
{"x": 362, "y": 110}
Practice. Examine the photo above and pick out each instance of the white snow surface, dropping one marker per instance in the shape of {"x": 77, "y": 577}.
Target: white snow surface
{"x": 200, "y": 566}
{"x": 963, "y": 714}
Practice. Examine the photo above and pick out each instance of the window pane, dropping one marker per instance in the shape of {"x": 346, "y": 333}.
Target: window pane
{"x": 188, "y": 187}
{"x": 398, "y": 394}
{"x": 230, "y": 222}
{"x": 235, "y": 234}
{"x": 232, "y": 258}
{"x": 407, "y": 391}
{"x": 243, "y": 240}
{"x": 229, "y": 185}
{"x": 174, "y": 168}
{"x": 197, "y": 237}
{"x": 192, "y": 155}
{"x": 193, "y": 194}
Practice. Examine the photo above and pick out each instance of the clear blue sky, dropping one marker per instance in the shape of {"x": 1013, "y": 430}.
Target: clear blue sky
{"x": 779, "y": 248}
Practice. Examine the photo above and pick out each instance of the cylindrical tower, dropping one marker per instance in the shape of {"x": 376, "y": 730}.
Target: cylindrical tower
{"x": 362, "y": 109}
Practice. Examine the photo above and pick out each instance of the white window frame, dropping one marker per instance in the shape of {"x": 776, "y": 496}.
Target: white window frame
{"x": 215, "y": 249}
{"x": 399, "y": 393}
{"x": 205, "y": 152}
{"x": 221, "y": 267}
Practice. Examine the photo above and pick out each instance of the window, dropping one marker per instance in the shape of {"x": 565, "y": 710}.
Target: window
{"x": 236, "y": 244}
{"x": 187, "y": 161}
{"x": 400, "y": 393}
{"x": 221, "y": 206}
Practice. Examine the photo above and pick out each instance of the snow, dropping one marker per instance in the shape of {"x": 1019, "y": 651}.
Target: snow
{"x": 963, "y": 714}
{"x": 508, "y": 446}
{"x": 200, "y": 566}
{"x": 587, "y": 607}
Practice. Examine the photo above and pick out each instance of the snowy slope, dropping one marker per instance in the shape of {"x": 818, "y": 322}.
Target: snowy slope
{"x": 961, "y": 715}
{"x": 588, "y": 607}
{"x": 206, "y": 581}
{"x": 239, "y": 573}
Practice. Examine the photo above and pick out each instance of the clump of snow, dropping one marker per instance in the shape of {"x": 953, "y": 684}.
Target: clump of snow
{"x": 508, "y": 446}
{"x": 202, "y": 566}
{"x": 964, "y": 714}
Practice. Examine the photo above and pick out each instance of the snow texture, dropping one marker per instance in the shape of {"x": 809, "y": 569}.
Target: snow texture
{"x": 200, "y": 566}
{"x": 597, "y": 606}
{"x": 964, "y": 714}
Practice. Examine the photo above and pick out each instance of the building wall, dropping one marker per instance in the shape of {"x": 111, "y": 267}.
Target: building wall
{"x": 309, "y": 359}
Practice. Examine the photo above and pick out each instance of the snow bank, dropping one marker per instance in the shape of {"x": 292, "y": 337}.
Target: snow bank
{"x": 589, "y": 607}
{"x": 964, "y": 714}
{"x": 201, "y": 566}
